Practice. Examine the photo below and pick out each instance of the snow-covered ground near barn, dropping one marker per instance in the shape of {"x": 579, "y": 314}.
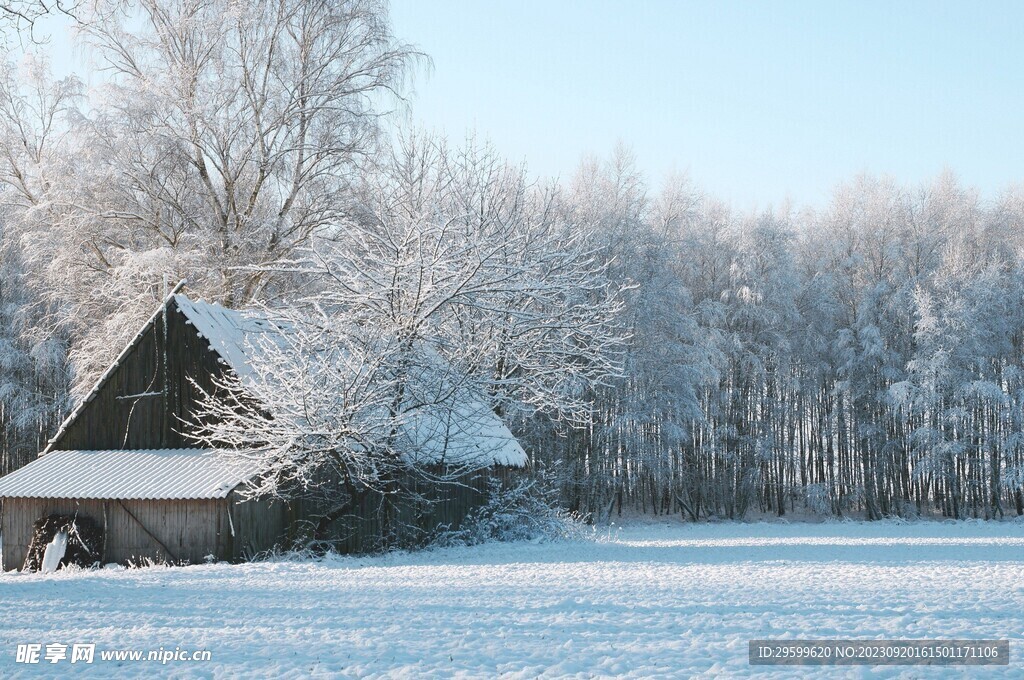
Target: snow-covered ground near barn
{"x": 652, "y": 599}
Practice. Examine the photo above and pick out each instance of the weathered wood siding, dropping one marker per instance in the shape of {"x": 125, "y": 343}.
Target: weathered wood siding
{"x": 163, "y": 531}
{"x": 167, "y": 531}
{"x": 258, "y": 526}
{"x": 117, "y": 419}
{"x": 408, "y": 524}
{"x": 187, "y": 531}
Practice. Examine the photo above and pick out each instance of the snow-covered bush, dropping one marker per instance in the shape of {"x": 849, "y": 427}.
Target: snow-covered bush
{"x": 527, "y": 511}
{"x": 818, "y": 498}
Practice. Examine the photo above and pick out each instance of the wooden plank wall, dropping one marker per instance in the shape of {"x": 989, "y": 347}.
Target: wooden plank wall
{"x": 151, "y": 422}
{"x": 410, "y": 523}
{"x": 188, "y": 530}
{"x": 259, "y": 525}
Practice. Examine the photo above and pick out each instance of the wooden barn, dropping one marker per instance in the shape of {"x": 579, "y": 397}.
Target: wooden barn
{"x": 124, "y": 459}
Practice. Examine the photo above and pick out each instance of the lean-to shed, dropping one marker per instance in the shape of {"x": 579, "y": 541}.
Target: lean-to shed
{"x": 169, "y": 505}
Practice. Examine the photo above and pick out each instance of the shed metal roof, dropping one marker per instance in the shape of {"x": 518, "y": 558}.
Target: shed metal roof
{"x": 146, "y": 474}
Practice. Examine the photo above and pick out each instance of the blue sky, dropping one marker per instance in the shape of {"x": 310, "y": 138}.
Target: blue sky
{"x": 759, "y": 101}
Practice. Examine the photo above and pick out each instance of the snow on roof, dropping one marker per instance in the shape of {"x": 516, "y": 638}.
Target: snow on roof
{"x": 232, "y": 334}
{"x": 468, "y": 433}
{"x": 477, "y": 434}
{"x": 141, "y": 474}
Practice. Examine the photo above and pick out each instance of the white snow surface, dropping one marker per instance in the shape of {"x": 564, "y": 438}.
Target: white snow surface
{"x": 467, "y": 434}
{"x": 235, "y": 336}
{"x": 668, "y": 600}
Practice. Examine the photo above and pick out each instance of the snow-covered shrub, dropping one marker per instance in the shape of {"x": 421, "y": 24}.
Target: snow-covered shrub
{"x": 527, "y": 511}
{"x": 818, "y": 499}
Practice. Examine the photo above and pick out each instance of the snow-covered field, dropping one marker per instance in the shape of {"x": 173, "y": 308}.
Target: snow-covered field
{"x": 650, "y": 600}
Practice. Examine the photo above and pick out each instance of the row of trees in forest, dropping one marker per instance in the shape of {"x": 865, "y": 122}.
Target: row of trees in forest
{"x": 653, "y": 349}
{"x": 861, "y": 358}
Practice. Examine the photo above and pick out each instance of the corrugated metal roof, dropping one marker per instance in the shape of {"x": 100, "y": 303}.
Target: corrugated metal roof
{"x": 147, "y": 474}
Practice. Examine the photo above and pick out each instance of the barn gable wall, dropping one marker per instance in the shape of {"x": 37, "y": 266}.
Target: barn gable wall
{"x": 117, "y": 417}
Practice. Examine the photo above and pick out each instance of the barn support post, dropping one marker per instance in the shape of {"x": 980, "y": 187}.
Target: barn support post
{"x": 106, "y": 531}
{"x": 231, "y": 556}
{"x": 148, "y": 532}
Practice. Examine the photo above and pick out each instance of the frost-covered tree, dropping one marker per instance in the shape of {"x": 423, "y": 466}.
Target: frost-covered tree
{"x": 20, "y": 19}
{"x": 34, "y": 370}
{"x": 861, "y": 358}
{"x": 806, "y": 338}
{"x": 452, "y": 295}
{"x": 222, "y": 136}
